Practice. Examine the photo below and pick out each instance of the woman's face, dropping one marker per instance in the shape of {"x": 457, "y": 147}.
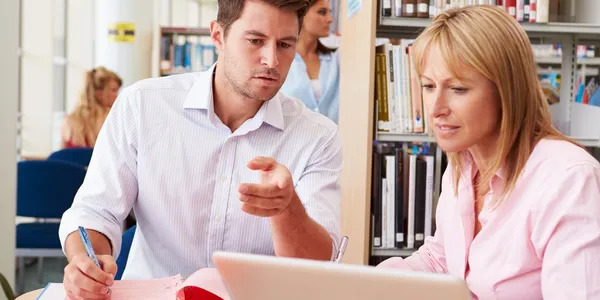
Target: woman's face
{"x": 464, "y": 113}
{"x": 109, "y": 94}
{"x": 318, "y": 18}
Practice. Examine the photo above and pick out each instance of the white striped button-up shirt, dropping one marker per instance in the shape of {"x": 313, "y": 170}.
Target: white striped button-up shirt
{"x": 163, "y": 152}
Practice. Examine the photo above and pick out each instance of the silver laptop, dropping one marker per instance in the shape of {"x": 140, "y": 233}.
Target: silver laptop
{"x": 252, "y": 277}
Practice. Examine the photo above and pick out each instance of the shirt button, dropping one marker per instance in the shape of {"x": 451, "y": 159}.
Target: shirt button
{"x": 218, "y": 219}
{"x": 223, "y": 179}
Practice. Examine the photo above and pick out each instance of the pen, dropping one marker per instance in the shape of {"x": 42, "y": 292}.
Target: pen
{"x": 85, "y": 239}
{"x": 340, "y": 254}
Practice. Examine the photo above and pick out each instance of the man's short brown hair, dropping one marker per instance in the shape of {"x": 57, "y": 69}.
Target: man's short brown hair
{"x": 230, "y": 10}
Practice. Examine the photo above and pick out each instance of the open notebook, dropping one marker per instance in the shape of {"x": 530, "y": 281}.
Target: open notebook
{"x": 204, "y": 284}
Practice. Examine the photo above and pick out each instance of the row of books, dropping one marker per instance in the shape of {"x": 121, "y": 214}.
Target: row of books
{"x": 398, "y": 90}
{"x": 186, "y": 53}
{"x": 532, "y": 11}
{"x": 402, "y": 195}
{"x": 555, "y": 51}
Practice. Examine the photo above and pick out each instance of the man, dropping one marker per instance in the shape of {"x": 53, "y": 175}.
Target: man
{"x": 210, "y": 161}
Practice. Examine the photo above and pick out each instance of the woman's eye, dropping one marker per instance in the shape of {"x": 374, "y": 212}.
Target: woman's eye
{"x": 427, "y": 87}
{"x": 460, "y": 90}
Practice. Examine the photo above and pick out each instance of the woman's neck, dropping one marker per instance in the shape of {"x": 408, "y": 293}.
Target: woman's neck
{"x": 307, "y": 44}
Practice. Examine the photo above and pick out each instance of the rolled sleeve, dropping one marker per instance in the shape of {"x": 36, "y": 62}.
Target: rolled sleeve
{"x": 110, "y": 187}
{"x": 319, "y": 190}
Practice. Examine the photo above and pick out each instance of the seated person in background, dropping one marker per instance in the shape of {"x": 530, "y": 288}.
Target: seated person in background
{"x": 218, "y": 160}
{"x": 314, "y": 75}
{"x": 519, "y": 212}
{"x": 80, "y": 128}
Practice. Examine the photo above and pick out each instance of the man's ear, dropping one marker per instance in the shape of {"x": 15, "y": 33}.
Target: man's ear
{"x": 217, "y": 34}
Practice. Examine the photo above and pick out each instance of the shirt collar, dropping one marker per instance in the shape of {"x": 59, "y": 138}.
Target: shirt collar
{"x": 469, "y": 169}
{"x": 322, "y": 56}
{"x": 200, "y": 96}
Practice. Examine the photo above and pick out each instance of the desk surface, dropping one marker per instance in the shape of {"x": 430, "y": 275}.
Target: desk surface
{"x": 31, "y": 295}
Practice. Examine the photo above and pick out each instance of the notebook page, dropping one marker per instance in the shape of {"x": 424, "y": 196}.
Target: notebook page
{"x": 210, "y": 280}
{"x": 153, "y": 289}
{"x": 53, "y": 291}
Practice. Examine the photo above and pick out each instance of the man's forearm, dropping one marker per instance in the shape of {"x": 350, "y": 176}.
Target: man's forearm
{"x": 100, "y": 242}
{"x": 295, "y": 234}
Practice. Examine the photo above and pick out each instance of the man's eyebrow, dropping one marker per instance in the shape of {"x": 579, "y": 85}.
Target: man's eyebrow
{"x": 290, "y": 38}
{"x": 254, "y": 32}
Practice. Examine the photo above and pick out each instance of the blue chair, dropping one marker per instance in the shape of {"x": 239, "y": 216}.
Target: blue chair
{"x": 124, "y": 254}
{"x": 45, "y": 190}
{"x": 80, "y": 156}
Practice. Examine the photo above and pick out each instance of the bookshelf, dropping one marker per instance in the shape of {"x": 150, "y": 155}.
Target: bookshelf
{"x": 391, "y": 252}
{"x": 357, "y": 108}
{"x": 185, "y": 49}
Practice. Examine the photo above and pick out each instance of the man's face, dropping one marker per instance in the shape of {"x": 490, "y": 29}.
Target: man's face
{"x": 258, "y": 50}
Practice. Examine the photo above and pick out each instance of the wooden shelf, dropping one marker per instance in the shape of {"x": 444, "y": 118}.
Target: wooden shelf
{"x": 557, "y": 61}
{"x": 392, "y": 252}
{"x": 413, "y": 26}
{"x": 185, "y": 31}
{"x": 404, "y": 137}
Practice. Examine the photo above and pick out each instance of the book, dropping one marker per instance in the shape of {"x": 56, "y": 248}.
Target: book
{"x": 397, "y": 8}
{"x": 377, "y": 196}
{"x": 203, "y": 284}
{"x": 386, "y": 8}
{"x": 423, "y": 8}
{"x": 415, "y": 95}
{"x": 390, "y": 169}
{"x": 429, "y": 187}
{"x": 532, "y": 11}
{"x": 409, "y": 7}
{"x": 412, "y": 179}
{"x": 543, "y": 11}
{"x": 399, "y": 205}
{"x": 525, "y": 10}
{"x": 511, "y": 8}
{"x": 520, "y": 10}
{"x": 420, "y": 190}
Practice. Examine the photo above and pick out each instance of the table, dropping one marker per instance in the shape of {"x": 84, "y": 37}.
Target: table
{"x": 31, "y": 295}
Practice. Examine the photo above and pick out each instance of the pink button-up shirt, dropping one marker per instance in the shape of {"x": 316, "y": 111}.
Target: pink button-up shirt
{"x": 543, "y": 241}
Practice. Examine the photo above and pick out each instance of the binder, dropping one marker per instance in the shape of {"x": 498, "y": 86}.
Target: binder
{"x": 376, "y": 197}
{"x": 420, "y": 188}
{"x": 399, "y": 205}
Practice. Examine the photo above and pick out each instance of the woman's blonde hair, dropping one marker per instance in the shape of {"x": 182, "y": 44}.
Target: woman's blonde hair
{"x": 84, "y": 119}
{"x": 486, "y": 39}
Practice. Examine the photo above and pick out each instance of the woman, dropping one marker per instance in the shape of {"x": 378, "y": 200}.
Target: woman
{"x": 519, "y": 212}
{"x": 314, "y": 73}
{"x": 81, "y": 127}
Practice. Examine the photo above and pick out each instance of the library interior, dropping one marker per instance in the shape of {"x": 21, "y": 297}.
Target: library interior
{"x": 446, "y": 149}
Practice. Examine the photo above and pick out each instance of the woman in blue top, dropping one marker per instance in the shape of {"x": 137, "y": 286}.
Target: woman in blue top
{"x": 314, "y": 74}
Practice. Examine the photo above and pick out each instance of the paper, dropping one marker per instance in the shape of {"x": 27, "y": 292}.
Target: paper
{"x": 155, "y": 289}
{"x": 53, "y": 291}
{"x": 354, "y": 7}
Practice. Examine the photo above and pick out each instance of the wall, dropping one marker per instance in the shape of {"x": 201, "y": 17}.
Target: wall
{"x": 8, "y": 135}
{"x": 36, "y": 77}
{"x": 80, "y": 47}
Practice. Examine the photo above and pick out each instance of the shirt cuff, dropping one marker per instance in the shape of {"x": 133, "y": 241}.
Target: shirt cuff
{"x": 75, "y": 217}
